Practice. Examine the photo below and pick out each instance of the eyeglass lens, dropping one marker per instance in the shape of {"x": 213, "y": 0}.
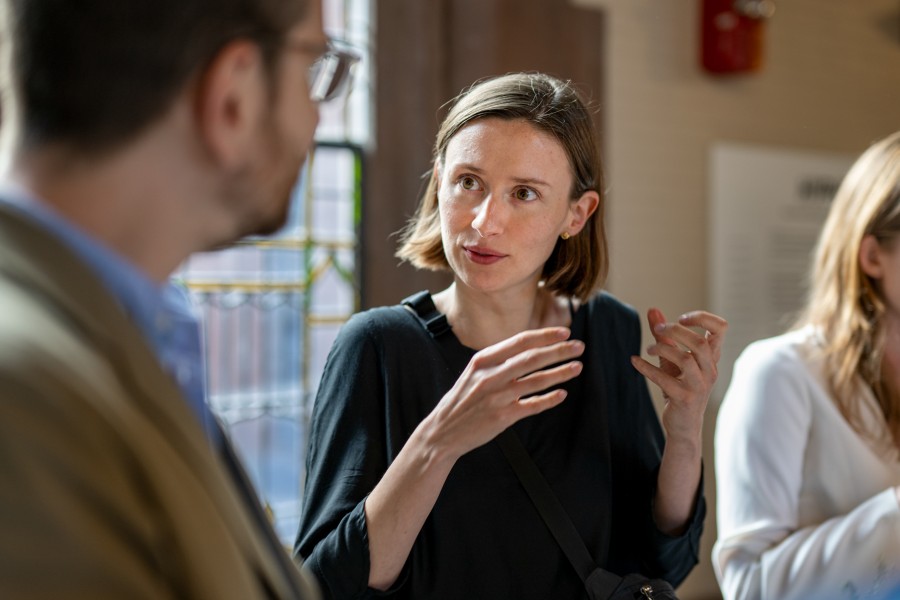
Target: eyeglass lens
{"x": 330, "y": 75}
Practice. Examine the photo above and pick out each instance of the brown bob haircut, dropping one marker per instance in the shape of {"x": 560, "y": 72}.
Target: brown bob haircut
{"x": 578, "y": 266}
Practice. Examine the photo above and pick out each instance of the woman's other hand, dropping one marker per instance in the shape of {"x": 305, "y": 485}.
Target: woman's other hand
{"x": 687, "y": 371}
{"x": 688, "y": 367}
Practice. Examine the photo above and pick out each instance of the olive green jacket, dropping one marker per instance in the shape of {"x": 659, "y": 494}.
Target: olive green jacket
{"x": 108, "y": 486}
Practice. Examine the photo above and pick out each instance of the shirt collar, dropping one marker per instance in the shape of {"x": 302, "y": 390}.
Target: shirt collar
{"x": 141, "y": 297}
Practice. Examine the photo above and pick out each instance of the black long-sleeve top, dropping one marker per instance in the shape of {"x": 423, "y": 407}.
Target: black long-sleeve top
{"x": 600, "y": 451}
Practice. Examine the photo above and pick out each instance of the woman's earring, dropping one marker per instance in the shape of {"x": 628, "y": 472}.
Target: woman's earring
{"x": 565, "y": 235}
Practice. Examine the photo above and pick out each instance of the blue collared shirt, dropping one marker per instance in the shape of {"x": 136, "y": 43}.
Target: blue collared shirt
{"x": 163, "y": 313}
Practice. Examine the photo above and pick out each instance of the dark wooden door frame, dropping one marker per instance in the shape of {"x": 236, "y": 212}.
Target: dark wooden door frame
{"x": 426, "y": 52}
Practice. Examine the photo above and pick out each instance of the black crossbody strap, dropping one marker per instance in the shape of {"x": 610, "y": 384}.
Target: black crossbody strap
{"x": 555, "y": 517}
{"x": 600, "y": 583}
{"x": 433, "y": 320}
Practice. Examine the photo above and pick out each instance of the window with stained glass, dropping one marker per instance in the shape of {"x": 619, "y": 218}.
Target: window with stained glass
{"x": 272, "y": 306}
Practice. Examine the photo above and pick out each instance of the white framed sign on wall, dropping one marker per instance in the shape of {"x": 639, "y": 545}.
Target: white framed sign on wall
{"x": 766, "y": 208}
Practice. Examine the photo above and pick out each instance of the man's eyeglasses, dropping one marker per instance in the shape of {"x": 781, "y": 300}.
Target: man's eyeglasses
{"x": 330, "y": 75}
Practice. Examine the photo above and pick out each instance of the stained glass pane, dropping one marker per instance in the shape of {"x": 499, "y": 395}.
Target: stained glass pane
{"x": 271, "y": 308}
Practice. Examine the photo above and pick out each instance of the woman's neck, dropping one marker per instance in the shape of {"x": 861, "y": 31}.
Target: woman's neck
{"x": 481, "y": 319}
{"x": 890, "y": 362}
{"x": 890, "y": 375}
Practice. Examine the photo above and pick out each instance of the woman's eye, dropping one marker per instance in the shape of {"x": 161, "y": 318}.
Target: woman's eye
{"x": 526, "y": 194}
{"x": 468, "y": 183}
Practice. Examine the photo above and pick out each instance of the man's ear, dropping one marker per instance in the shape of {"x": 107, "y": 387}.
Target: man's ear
{"x": 870, "y": 257}
{"x": 581, "y": 210}
{"x": 231, "y": 98}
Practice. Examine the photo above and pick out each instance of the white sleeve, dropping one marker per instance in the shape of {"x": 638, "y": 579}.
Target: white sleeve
{"x": 760, "y": 444}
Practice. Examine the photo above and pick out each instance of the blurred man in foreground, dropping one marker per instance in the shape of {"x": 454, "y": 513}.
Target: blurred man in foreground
{"x": 135, "y": 133}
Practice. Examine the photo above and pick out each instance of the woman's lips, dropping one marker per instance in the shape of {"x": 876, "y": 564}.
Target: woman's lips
{"x": 482, "y": 256}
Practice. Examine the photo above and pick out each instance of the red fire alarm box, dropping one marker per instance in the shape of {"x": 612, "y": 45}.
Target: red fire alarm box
{"x": 732, "y": 34}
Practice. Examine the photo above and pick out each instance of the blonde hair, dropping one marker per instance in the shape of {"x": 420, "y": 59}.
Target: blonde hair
{"x": 844, "y": 303}
{"x": 577, "y": 266}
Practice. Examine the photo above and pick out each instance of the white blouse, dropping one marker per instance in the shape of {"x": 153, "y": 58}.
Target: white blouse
{"x": 805, "y": 504}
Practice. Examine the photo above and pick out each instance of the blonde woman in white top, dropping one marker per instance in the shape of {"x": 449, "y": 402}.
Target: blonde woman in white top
{"x": 808, "y": 436}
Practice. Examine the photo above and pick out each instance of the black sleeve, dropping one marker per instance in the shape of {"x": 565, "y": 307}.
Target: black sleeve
{"x": 637, "y": 442}
{"x": 346, "y": 458}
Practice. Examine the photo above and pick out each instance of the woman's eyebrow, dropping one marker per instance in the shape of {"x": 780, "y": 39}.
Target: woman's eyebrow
{"x": 467, "y": 167}
{"x": 531, "y": 181}
{"x": 518, "y": 180}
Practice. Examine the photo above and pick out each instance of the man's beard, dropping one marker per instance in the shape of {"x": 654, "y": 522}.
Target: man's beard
{"x": 272, "y": 188}
{"x": 271, "y": 224}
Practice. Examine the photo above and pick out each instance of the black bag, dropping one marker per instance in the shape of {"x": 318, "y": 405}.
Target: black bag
{"x": 637, "y": 586}
{"x": 599, "y": 583}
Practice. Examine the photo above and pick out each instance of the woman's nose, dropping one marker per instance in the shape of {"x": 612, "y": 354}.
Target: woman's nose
{"x": 489, "y": 217}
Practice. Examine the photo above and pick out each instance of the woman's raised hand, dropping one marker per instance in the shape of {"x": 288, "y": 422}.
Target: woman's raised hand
{"x": 502, "y": 384}
{"x": 688, "y": 367}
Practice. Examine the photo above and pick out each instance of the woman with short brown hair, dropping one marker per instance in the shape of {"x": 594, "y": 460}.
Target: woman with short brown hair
{"x": 408, "y": 493}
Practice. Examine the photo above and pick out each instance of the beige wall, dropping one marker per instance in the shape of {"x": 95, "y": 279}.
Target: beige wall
{"x": 831, "y": 82}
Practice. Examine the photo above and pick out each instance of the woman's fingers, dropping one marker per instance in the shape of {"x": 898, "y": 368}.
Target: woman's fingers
{"x": 704, "y": 320}
{"x": 715, "y": 327}
{"x": 671, "y": 386}
{"x": 690, "y": 364}
{"x": 687, "y": 358}
{"x": 501, "y": 352}
{"x": 705, "y": 347}
{"x": 546, "y": 378}
{"x": 688, "y": 367}
{"x": 525, "y": 372}
{"x": 536, "y": 359}
{"x": 657, "y": 322}
{"x": 505, "y": 383}
{"x": 533, "y": 405}
{"x": 691, "y": 349}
